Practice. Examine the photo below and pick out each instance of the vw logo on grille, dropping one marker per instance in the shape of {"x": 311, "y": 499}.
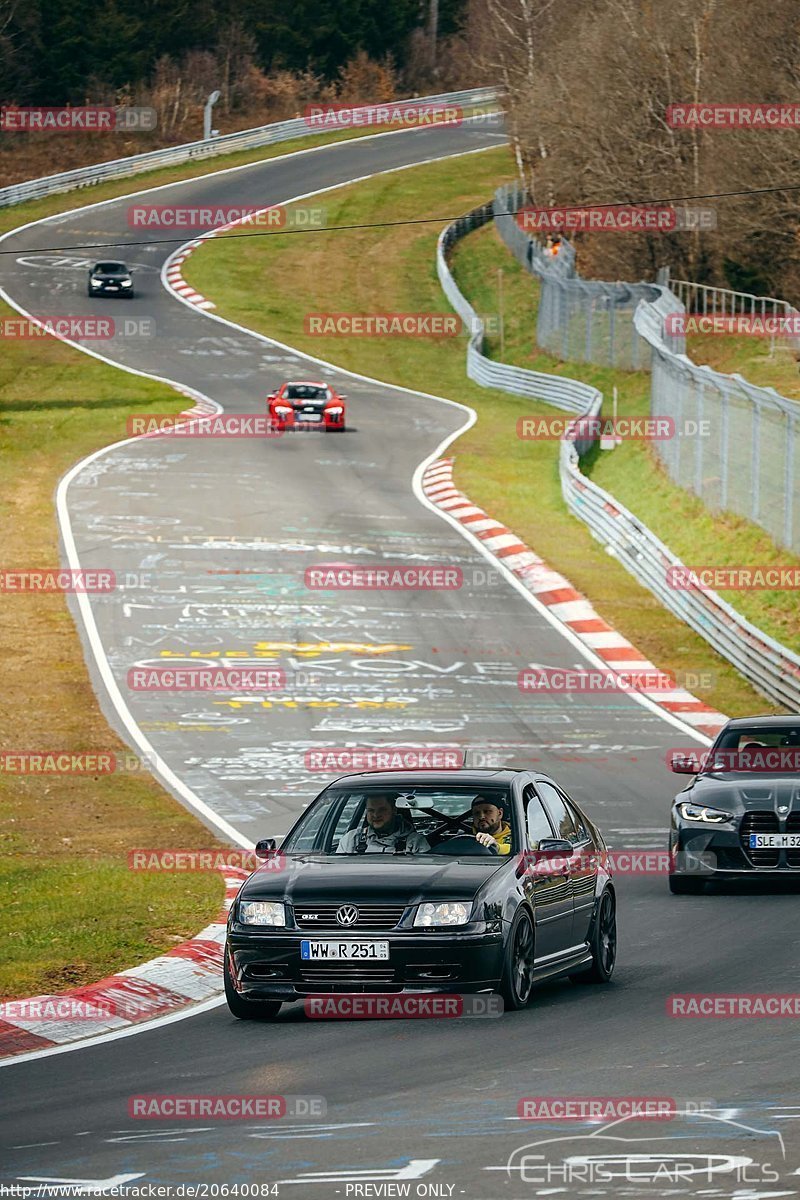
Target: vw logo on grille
{"x": 783, "y": 808}
{"x": 347, "y": 914}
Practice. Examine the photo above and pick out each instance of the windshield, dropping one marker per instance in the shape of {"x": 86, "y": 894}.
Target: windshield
{"x": 111, "y": 269}
{"x": 421, "y": 818}
{"x": 757, "y": 748}
{"x": 305, "y": 391}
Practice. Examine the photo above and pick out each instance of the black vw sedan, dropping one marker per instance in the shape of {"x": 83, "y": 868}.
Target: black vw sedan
{"x": 740, "y": 814}
{"x": 486, "y": 881}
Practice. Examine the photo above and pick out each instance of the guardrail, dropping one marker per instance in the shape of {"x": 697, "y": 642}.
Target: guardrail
{"x": 571, "y": 395}
{"x": 245, "y": 139}
{"x": 772, "y": 668}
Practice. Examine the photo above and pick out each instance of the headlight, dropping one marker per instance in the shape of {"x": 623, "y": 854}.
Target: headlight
{"x": 96, "y": 282}
{"x": 127, "y": 283}
{"x": 262, "y": 912}
{"x": 335, "y": 408}
{"x": 703, "y": 814}
{"x": 448, "y": 913}
{"x": 282, "y": 408}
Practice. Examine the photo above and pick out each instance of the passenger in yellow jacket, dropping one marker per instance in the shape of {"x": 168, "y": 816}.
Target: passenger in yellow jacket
{"x": 488, "y": 825}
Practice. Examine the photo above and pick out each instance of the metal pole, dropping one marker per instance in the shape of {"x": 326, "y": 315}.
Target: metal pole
{"x": 501, "y": 314}
{"x": 207, "y": 115}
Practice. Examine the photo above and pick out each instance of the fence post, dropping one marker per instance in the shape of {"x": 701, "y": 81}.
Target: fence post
{"x": 698, "y": 450}
{"x": 788, "y": 479}
{"x": 755, "y": 462}
{"x": 723, "y": 483}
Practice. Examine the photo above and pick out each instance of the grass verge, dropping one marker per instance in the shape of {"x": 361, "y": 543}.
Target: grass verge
{"x": 270, "y": 286}
{"x": 71, "y": 910}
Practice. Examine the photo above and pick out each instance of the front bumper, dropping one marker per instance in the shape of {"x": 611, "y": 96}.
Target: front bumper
{"x": 107, "y": 289}
{"x": 712, "y": 853}
{"x": 268, "y": 965}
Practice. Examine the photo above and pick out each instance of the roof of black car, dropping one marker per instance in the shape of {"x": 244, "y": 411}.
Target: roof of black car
{"x": 760, "y": 722}
{"x": 469, "y": 775}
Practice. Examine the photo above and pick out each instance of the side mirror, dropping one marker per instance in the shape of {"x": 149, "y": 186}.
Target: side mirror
{"x": 273, "y": 396}
{"x": 266, "y": 848}
{"x": 555, "y": 846}
{"x": 685, "y": 764}
{"x": 341, "y": 397}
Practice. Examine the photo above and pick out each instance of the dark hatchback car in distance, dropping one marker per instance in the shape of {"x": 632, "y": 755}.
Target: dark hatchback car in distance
{"x": 740, "y": 815}
{"x": 110, "y": 279}
{"x": 444, "y": 913}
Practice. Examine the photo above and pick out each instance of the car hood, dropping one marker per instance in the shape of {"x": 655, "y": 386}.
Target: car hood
{"x": 303, "y": 879}
{"x": 741, "y": 791}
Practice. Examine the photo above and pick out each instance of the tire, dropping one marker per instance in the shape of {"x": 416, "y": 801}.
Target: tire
{"x": 247, "y": 1010}
{"x": 516, "y": 982}
{"x": 686, "y": 885}
{"x": 603, "y": 943}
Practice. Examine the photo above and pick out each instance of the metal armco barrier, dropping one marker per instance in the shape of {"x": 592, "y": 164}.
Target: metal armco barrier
{"x": 245, "y": 139}
{"x": 568, "y": 394}
{"x": 773, "y": 669}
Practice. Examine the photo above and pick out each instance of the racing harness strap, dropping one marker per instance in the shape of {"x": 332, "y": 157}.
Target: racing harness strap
{"x": 361, "y": 842}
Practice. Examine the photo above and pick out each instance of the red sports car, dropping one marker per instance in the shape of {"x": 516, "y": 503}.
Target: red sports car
{"x": 307, "y": 405}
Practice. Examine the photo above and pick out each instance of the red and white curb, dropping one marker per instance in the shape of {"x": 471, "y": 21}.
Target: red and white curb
{"x": 564, "y": 602}
{"x": 174, "y": 277}
{"x": 173, "y": 272}
{"x": 188, "y": 974}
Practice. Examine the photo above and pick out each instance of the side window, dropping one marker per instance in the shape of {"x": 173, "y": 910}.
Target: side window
{"x": 566, "y": 824}
{"x": 538, "y": 824}
{"x": 346, "y": 817}
{"x": 306, "y": 836}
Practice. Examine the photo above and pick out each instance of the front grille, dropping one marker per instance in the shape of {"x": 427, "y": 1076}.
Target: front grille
{"x": 345, "y": 974}
{"x": 759, "y": 822}
{"x": 370, "y": 916}
{"x": 793, "y": 826}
